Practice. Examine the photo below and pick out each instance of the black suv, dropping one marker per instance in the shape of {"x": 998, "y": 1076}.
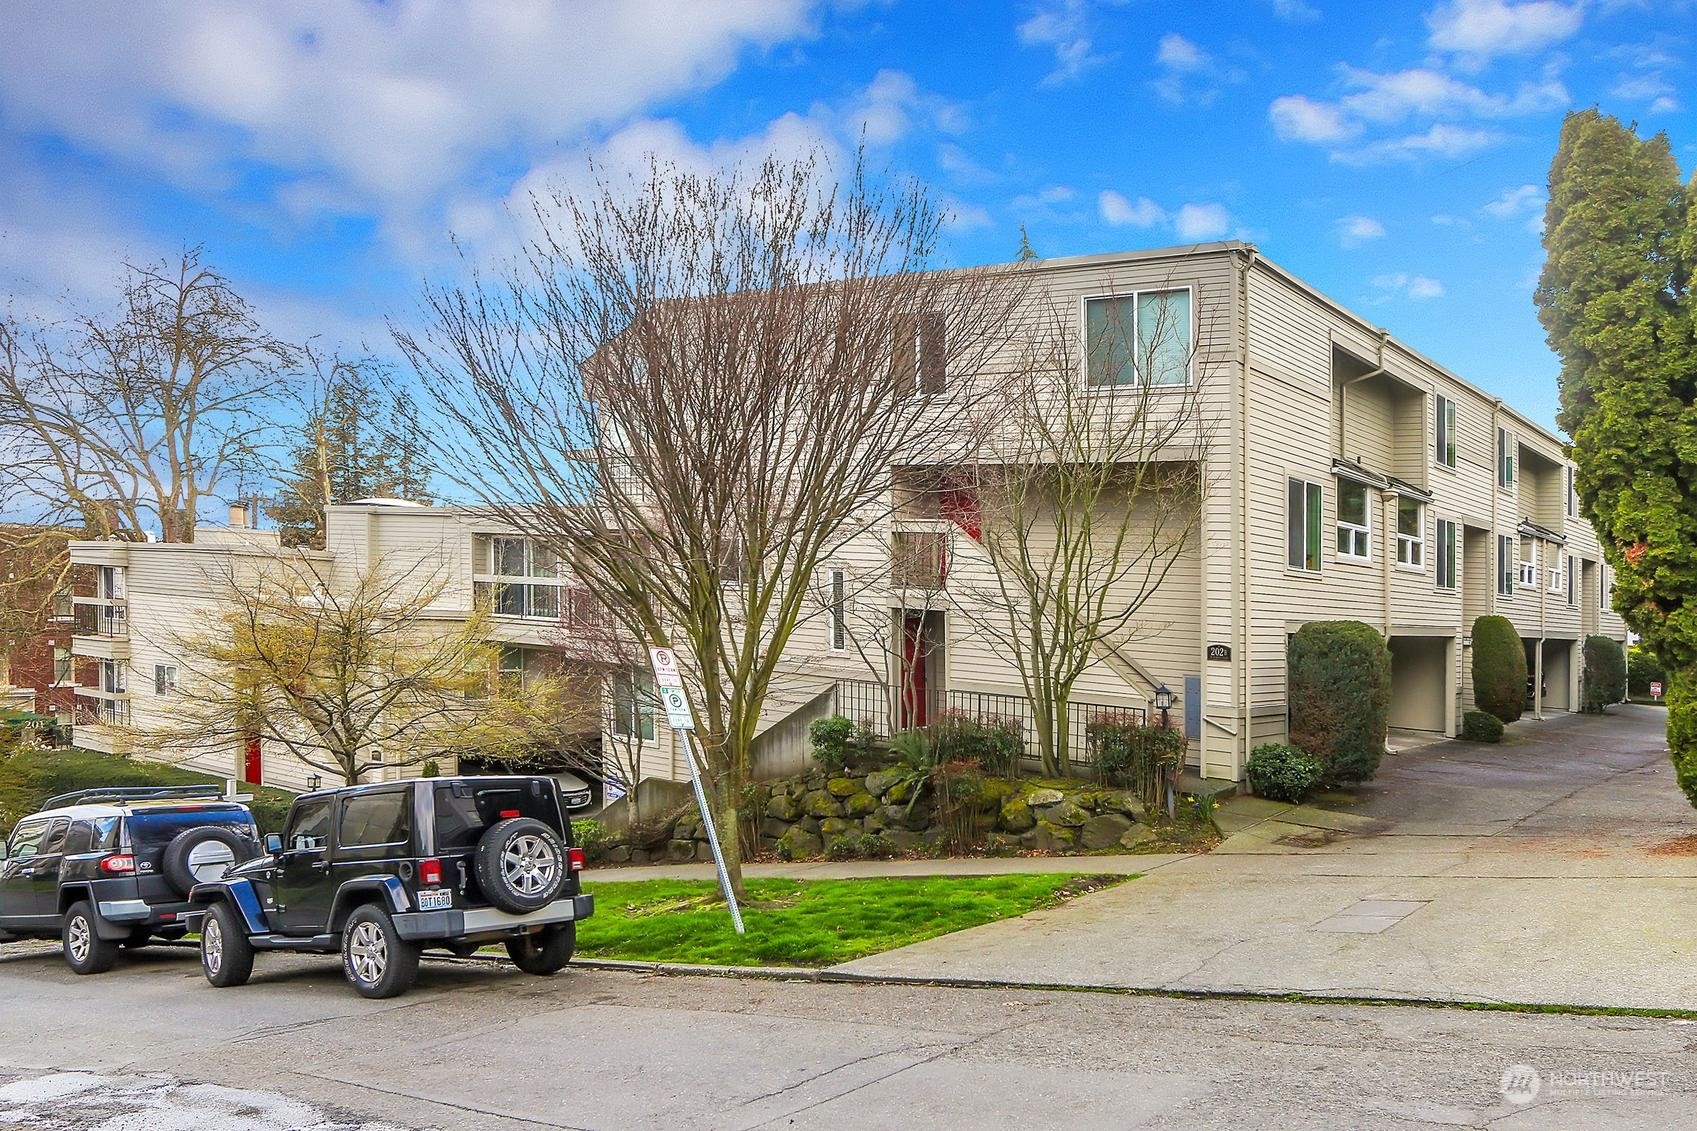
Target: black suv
{"x": 380, "y": 872}
{"x": 110, "y": 868}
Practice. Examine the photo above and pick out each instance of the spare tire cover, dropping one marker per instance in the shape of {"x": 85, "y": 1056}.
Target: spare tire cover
{"x": 202, "y": 855}
{"x": 520, "y": 865}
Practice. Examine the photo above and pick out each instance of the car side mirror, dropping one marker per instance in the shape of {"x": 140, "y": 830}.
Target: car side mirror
{"x": 273, "y": 844}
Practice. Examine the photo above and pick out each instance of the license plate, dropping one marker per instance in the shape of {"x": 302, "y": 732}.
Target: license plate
{"x": 440, "y": 899}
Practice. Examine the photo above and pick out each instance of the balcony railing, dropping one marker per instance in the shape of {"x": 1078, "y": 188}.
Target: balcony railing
{"x": 96, "y": 617}
{"x": 874, "y": 706}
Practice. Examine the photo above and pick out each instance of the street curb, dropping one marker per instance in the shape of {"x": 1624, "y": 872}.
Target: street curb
{"x": 848, "y": 977}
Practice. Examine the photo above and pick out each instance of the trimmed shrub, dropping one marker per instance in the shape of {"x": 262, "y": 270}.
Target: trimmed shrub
{"x": 591, "y": 836}
{"x": 1499, "y": 668}
{"x": 830, "y": 737}
{"x": 861, "y": 846}
{"x": 1340, "y": 697}
{"x": 1644, "y": 667}
{"x": 1281, "y": 772}
{"x": 1605, "y": 672}
{"x": 1481, "y": 726}
{"x": 1131, "y": 755}
{"x": 988, "y": 741}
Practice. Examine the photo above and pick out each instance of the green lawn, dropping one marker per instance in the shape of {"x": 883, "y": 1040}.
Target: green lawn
{"x": 806, "y": 922}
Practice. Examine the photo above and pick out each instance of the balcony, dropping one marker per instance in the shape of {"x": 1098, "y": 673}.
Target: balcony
{"x": 102, "y": 616}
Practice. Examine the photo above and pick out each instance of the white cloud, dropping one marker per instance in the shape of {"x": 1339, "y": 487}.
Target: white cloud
{"x": 1115, "y": 209}
{"x": 1422, "y": 92}
{"x": 1418, "y": 288}
{"x": 1478, "y": 30}
{"x": 388, "y": 108}
{"x": 1180, "y": 54}
{"x": 1296, "y": 117}
{"x": 890, "y": 107}
{"x": 1441, "y": 140}
{"x": 1044, "y": 197}
{"x": 1353, "y": 231}
{"x": 1515, "y": 202}
{"x": 1196, "y": 222}
{"x": 1187, "y": 73}
{"x": 1295, "y": 11}
{"x": 1060, "y": 25}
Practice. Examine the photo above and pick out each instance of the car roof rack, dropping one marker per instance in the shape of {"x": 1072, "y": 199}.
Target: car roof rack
{"x": 209, "y": 791}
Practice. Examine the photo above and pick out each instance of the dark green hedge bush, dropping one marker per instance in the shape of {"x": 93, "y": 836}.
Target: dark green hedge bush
{"x": 993, "y": 743}
{"x": 1340, "y": 697}
{"x": 1481, "y": 726}
{"x": 1644, "y": 667}
{"x": 1499, "y": 668}
{"x": 31, "y": 776}
{"x": 830, "y": 737}
{"x": 1605, "y": 672}
{"x": 1281, "y": 772}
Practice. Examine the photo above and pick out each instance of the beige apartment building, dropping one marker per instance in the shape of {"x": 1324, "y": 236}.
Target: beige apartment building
{"x": 1343, "y": 476}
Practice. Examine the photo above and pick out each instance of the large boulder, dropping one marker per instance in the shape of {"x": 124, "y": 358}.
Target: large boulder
{"x": 860, "y": 804}
{"x": 1054, "y": 838}
{"x": 821, "y": 804}
{"x": 879, "y": 784}
{"x": 1136, "y": 837}
{"x": 842, "y": 787}
{"x": 798, "y": 844}
{"x": 1104, "y": 831}
{"x": 680, "y": 851}
{"x": 783, "y": 807}
{"x": 1038, "y": 798}
{"x": 1016, "y": 816}
{"x": 1066, "y": 814}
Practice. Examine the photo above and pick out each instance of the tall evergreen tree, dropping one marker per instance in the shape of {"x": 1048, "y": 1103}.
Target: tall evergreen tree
{"x": 1615, "y": 298}
{"x": 358, "y": 440}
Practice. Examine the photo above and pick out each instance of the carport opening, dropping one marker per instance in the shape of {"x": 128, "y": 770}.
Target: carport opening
{"x": 1418, "y": 686}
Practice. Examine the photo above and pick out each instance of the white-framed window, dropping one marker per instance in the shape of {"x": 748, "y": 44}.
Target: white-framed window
{"x": 1507, "y": 558}
{"x": 1355, "y": 521}
{"x": 114, "y": 676}
{"x": 1506, "y": 445}
{"x": 1443, "y": 427}
{"x": 634, "y": 700}
{"x": 164, "y": 679}
{"x": 517, "y": 577}
{"x": 1139, "y": 338}
{"x": 1528, "y": 575}
{"x": 1557, "y": 574}
{"x": 839, "y": 610}
{"x": 920, "y": 361}
{"x": 64, "y": 669}
{"x": 110, "y": 583}
{"x": 1305, "y": 525}
{"x": 1446, "y": 571}
{"x": 1410, "y": 533}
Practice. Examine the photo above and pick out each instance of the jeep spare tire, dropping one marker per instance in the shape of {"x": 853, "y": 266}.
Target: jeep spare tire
{"x": 520, "y": 864}
{"x": 202, "y": 855}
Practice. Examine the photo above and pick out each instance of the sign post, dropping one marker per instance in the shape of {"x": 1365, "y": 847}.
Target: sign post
{"x": 668, "y": 680}
{"x": 1655, "y": 689}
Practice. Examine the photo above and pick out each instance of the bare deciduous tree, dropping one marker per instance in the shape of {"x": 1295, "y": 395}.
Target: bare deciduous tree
{"x": 127, "y": 423}
{"x": 694, "y": 386}
{"x": 349, "y": 674}
{"x": 1089, "y": 492}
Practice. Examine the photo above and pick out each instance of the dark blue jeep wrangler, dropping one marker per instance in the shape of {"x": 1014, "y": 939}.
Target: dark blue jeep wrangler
{"x": 381, "y": 872}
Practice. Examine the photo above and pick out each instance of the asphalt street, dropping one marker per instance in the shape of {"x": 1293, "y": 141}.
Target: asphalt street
{"x": 150, "y": 1047}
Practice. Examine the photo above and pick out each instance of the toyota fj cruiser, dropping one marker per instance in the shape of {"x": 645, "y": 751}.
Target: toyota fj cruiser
{"x": 381, "y": 872}
{"x": 110, "y": 868}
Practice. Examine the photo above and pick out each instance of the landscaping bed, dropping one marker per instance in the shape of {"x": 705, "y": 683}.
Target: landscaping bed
{"x": 809, "y": 923}
{"x": 32, "y": 775}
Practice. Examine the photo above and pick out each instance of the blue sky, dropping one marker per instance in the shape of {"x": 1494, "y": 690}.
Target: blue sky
{"x": 1393, "y": 155}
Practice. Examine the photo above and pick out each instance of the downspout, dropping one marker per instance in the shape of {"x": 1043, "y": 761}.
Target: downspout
{"x": 1240, "y": 670}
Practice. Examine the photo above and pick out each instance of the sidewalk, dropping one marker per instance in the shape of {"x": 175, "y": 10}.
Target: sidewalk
{"x": 863, "y": 869}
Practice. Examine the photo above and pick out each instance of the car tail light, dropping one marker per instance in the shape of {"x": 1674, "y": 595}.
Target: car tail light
{"x": 120, "y": 865}
{"x": 507, "y": 813}
{"x": 574, "y": 859}
{"x": 430, "y": 871}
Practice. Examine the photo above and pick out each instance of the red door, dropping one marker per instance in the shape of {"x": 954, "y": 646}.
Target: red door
{"x": 253, "y": 761}
{"x": 915, "y": 701}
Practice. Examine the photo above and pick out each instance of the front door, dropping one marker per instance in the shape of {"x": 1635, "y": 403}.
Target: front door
{"x": 301, "y": 881}
{"x": 915, "y": 689}
{"x": 44, "y": 876}
{"x": 253, "y": 761}
{"x": 17, "y": 874}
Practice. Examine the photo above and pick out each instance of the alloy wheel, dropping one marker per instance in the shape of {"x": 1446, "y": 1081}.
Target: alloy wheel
{"x": 368, "y": 953}
{"x": 212, "y": 945}
{"x": 78, "y": 939}
{"x": 530, "y": 864}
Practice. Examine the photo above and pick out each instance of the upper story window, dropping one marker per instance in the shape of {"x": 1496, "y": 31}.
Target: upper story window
{"x": 1528, "y": 563}
{"x": 1410, "y": 534}
{"x": 534, "y": 568}
{"x": 109, "y": 583}
{"x": 1507, "y": 557}
{"x": 1556, "y": 573}
{"x": 1305, "y": 524}
{"x": 920, "y": 363}
{"x": 1140, "y": 338}
{"x": 516, "y": 557}
{"x": 1443, "y": 446}
{"x": 839, "y": 610}
{"x": 1355, "y": 520}
{"x": 1571, "y": 496}
{"x": 1572, "y": 590}
{"x": 1506, "y": 445}
{"x": 1447, "y": 572}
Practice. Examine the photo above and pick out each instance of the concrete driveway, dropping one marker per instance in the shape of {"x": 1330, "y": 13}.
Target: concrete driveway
{"x": 1559, "y": 867}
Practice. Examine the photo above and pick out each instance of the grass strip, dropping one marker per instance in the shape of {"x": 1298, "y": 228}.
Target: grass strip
{"x": 808, "y": 923}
